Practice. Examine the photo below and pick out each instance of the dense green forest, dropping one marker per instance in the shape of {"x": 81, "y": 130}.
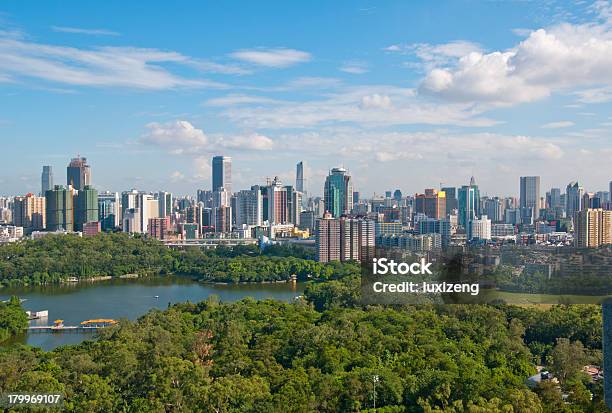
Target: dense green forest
{"x": 12, "y": 318}
{"x": 269, "y": 356}
{"x": 56, "y": 257}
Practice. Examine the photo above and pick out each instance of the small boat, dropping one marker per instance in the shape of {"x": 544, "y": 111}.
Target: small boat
{"x": 156, "y": 296}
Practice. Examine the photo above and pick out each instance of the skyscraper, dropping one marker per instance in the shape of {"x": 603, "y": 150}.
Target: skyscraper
{"x": 85, "y": 207}
{"x": 108, "y": 210}
{"x": 46, "y": 179}
{"x": 299, "y": 177}
{"x": 338, "y": 192}
{"x": 78, "y": 173}
{"x": 530, "y": 192}
{"x": 327, "y": 240}
{"x": 278, "y": 203}
{"x": 573, "y": 199}
{"x": 451, "y": 198}
{"x": 59, "y": 209}
{"x": 467, "y": 201}
{"x": 222, "y": 173}
{"x": 165, "y": 203}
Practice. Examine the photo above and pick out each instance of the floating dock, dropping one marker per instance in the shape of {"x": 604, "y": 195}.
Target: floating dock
{"x": 87, "y": 325}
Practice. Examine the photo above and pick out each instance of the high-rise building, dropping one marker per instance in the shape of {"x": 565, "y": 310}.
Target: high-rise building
{"x": 59, "y": 208}
{"x": 159, "y": 227}
{"x": 223, "y": 219}
{"x": 206, "y": 197}
{"x": 294, "y": 205}
{"x": 85, "y": 207}
{"x": 222, "y": 173}
{"x": 108, "y": 210}
{"x": 432, "y": 203}
{"x": 573, "y": 199}
{"x": 338, "y": 192}
{"x": 593, "y": 228}
{"x": 91, "y": 229}
{"x": 129, "y": 200}
{"x": 46, "y": 179}
{"x": 480, "y": 228}
{"x": 307, "y": 220}
{"x": 131, "y": 221}
{"x": 299, "y": 177}
{"x": 554, "y": 198}
{"x": 249, "y": 207}
{"x": 494, "y": 209}
{"x": 451, "y": 198}
{"x": 78, "y": 173}
{"x": 467, "y": 200}
{"x": 327, "y": 240}
{"x": 165, "y": 201}
{"x": 29, "y": 212}
{"x": 530, "y": 192}
{"x": 278, "y": 205}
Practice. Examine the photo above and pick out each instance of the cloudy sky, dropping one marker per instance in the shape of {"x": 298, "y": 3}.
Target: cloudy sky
{"x": 404, "y": 94}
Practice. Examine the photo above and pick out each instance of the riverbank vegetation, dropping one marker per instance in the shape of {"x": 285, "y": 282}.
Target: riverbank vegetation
{"x": 13, "y": 318}
{"x": 56, "y": 258}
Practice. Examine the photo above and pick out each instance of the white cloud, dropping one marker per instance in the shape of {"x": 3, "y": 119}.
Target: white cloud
{"x": 178, "y": 136}
{"x": 547, "y": 61}
{"x": 595, "y": 95}
{"x": 234, "y": 99}
{"x": 177, "y": 176}
{"x": 355, "y": 68}
{"x": 558, "y": 125}
{"x": 128, "y": 67}
{"x": 92, "y": 32}
{"x": 376, "y": 101}
{"x": 181, "y": 137}
{"x": 273, "y": 57}
{"x": 253, "y": 141}
{"x": 388, "y": 106}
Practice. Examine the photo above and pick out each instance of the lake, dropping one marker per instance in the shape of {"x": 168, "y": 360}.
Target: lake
{"x": 126, "y": 298}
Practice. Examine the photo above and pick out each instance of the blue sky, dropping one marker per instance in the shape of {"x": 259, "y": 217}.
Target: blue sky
{"x": 405, "y": 94}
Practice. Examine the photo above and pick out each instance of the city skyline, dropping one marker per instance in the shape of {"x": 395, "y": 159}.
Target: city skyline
{"x": 150, "y": 100}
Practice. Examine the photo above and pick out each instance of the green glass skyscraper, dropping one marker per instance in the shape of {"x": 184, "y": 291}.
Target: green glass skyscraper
{"x": 59, "y": 209}
{"x": 338, "y": 192}
{"x": 86, "y": 207}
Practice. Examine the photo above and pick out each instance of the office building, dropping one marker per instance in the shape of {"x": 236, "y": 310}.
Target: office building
{"x": 432, "y": 203}
{"x": 78, "y": 173}
{"x": 573, "y": 199}
{"x": 85, "y": 207}
{"x": 530, "y": 193}
{"x": 494, "y": 209}
{"x": 59, "y": 209}
{"x": 29, "y": 212}
{"x": 249, "y": 207}
{"x": 553, "y": 198}
{"x": 467, "y": 199}
{"x": 165, "y": 203}
{"x": 46, "y": 180}
{"x": 109, "y": 211}
{"x": 338, "y": 192}
{"x": 593, "y": 228}
{"x": 299, "y": 177}
{"x": 294, "y": 205}
{"x": 451, "y": 198}
{"x": 222, "y": 173}
{"x": 205, "y": 197}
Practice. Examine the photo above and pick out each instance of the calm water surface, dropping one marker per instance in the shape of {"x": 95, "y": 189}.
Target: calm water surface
{"x": 125, "y": 298}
